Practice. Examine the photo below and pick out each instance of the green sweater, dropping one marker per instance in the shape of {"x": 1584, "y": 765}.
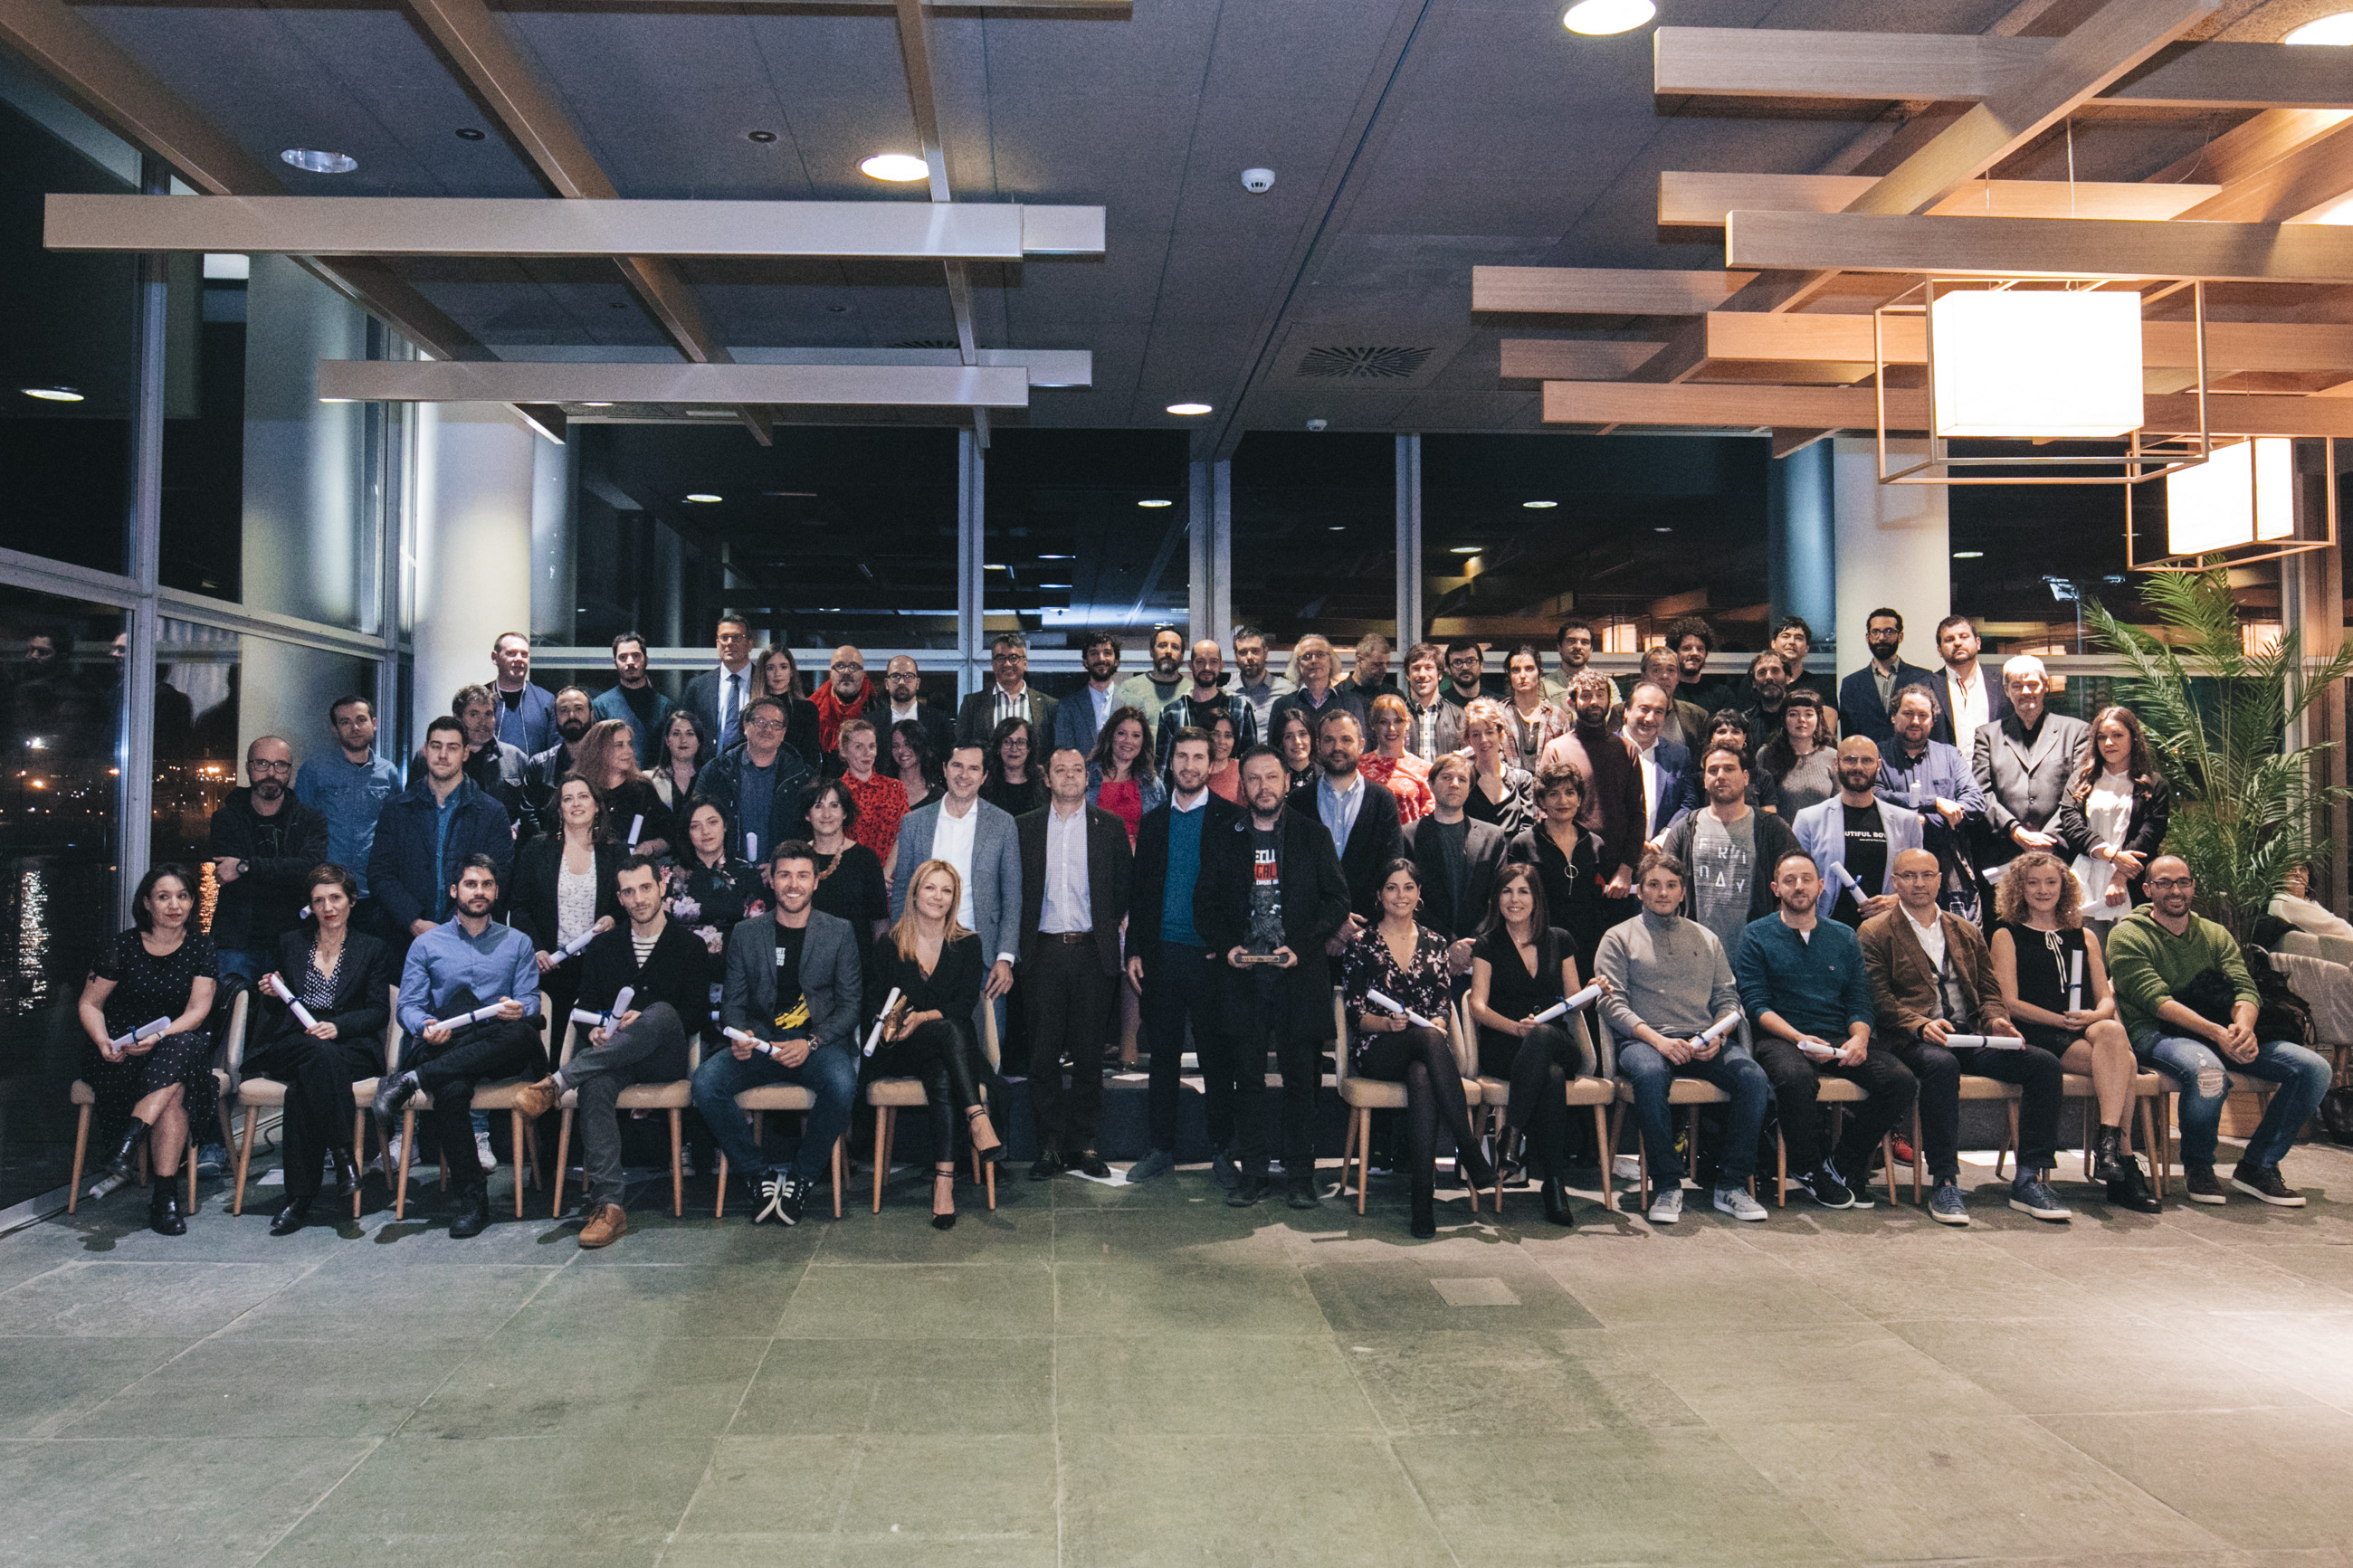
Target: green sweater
{"x": 2147, "y": 964}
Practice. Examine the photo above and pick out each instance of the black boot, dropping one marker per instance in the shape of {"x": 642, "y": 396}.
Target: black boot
{"x": 1424, "y": 1223}
{"x": 394, "y": 1093}
{"x": 292, "y": 1216}
{"x": 165, "y": 1217}
{"x": 2127, "y": 1191}
{"x": 2107, "y": 1156}
{"x": 1511, "y": 1158}
{"x": 347, "y": 1175}
{"x": 473, "y": 1216}
{"x": 1556, "y": 1202}
{"x": 1470, "y": 1164}
{"x": 118, "y": 1168}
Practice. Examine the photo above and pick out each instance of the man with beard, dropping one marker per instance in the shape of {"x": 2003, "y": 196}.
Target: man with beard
{"x": 1613, "y": 795}
{"x": 1574, "y": 644}
{"x": 1079, "y": 718}
{"x": 1156, "y": 687}
{"x": 1856, "y": 833}
{"x": 526, "y": 714}
{"x": 1436, "y": 724}
{"x": 496, "y": 768}
{"x": 574, "y": 714}
{"x": 632, "y": 699}
{"x": 1255, "y": 687}
{"x": 349, "y": 786}
{"x": 1693, "y": 639}
{"x": 1763, "y": 697}
{"x": 847, "y": 695}
{"x": 1933, "y": 779}
{"x": 1867, "y": 698}
{"x": 1198, "y": 708}
{"x": 1369, "y": 672}
{"x": 265, "y": 842}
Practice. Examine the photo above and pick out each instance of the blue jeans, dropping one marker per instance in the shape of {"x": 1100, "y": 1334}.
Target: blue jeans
{"x": 828, "y": 1073}
{"x": 1739, "y": 1076}
{"x": 248, "y": 963}
{"x": 2302, "y": 1077}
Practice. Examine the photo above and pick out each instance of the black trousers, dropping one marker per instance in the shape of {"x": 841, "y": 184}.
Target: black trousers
{"x": 1180, "y": 987}
{"x": 940, "y": 1055}
{"x": 318, "y": 1076}
{"x": 1424, "y": 1062}
{"x": 1538, "y": 1070}
{"x": 1301, "y": 1062}
{"x": 1068, "y": 995}
{"x": 494, "y": 1049}
{"x": 1938, "y": 1069}
{"x": 1887, "y": 1085}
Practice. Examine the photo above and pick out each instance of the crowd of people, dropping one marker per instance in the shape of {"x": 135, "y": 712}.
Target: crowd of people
{"x": 1928, "y": 875}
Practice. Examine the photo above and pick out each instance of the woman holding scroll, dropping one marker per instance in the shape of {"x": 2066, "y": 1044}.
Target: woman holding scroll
{"x": 2056, "y": 987}
{"x": 933, "y": 967}
{"x": 1520, "y": 966}
{"x": 564, "y": 894}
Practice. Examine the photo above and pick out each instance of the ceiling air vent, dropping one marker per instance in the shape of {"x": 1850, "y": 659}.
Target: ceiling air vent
{"x": 1364, "y": 363}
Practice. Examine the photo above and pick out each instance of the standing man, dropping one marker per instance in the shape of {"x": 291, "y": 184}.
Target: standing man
{"x": 265, "y": 844}
{"x": 1669, "y": 780}
{"x": 1199, "y": 706}
{"x": 425, "y": 838}
{"x": 1272, "y": 897}
{"x": 846, "y": 694}
{"x": 349, "y": 787}
{"x": 1729, "y": 849}
{"x": 1080, "y": 717}
{"x": 1369, "y": 672}
{"x": 1933, "y": 779}
{"x": 1866, "y": 700}
{"x": 902, "y": 681}
{"x": 1466, "y": 662}
{"x": 1312, "y": 693}
{"x": 759, "y": 788}
{"x": 1458, "y": 858}
{"x": 452, "y": 969}
{"x": 1793, "y": 639}
{"x": 490, "y": 762}
{"x": 1857, "y": 832}
{"x": 1966, "y": 703}
{"x": 1171, "y": 966}
{"x": 717, "y": 696}
{"x": 1075, "y": 873}
{"x": 1763, "y": 697}
{"x": 1155, "y": 688}
{"x": 977, "y": 839}
{"x": 633, "y": 700}
{"x": 2023, "y": 763}
{"x": 1436, "y": 724}
{"x": 793, "y": 983}
{"x": 575, "y": 714}
{"x": 1010, "y": 696}
{"x": 1360, "y": 818}
{"x": 526, "y": 715}
{"x": 1256, "y": 687}
{"x": 1687, "y": 722}
{"x": 1613, "y": 795}
{"x": 1573, "y": 644}
{"x": 1803, "y": 985}
{"x": 1692, "y": 640}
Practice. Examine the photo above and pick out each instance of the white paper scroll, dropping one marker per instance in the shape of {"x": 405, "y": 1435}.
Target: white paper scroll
{"x": 2076, "y": 981}
{"x": 637, "y": 825}
{"x": 576, "y": 946}
{"x": 143, "y": 1032}
{"x": 1984, "y": 1042}
{"x": 604, "y": 1020}
{"x": 1584, "y": 998}
{"x": 1720, "y": 1028}
{"x": 1838, "y": 868}
{"x": 301, "y": 1013}
{"x": 874, "y": 1036}
{"x": 1391, "y": 1005}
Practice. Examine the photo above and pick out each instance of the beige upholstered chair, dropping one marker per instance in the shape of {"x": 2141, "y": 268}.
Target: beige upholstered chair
{"x": 84, "y": 1099}
{"x": 670, "y": 1098}
{"x": 1685, "y": 1094}
{"x": 256, "y": 1095}
{"x": 490, "y": 1097}
{"x": 1363, "y": 1096}
{"x": 890, "y": 1096}
{"x": 1591, "y": 1091}
{"x": 1838, "y": 1093}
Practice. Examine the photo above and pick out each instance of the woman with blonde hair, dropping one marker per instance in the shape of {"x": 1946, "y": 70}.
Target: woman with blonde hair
{"x": 1502, "y": 792}
{"x": 635, "y": 816}
{"x": 936, "y": 965}
{"x": 1387, "y": 764}
{"x": 2056, "y": 987}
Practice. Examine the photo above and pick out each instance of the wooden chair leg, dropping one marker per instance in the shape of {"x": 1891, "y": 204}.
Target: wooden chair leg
{"x": 2149, "y": 1140}
{"x": 359, "y": 1151}
{"x": 1780, "y": 1170}
{"x": 1609, "y": 1193}
{"x": 407, "y": 1152}
{"x": 245, "y": 1159}
{"x": 2010, "y": 1135}
{"x": 840, "y": 1171}
{"x": 514, "y": 1130}
{"x": 563, "y": 1154}
{"x": 1887, "y": 1159}
{"x": 677, "y": 1163}
{"x": 81, "y": 1153}
{"x": 1363, "y": 1121}
{"x": 1347, "y": 1151}
{"x": 719, "y": 1209}
{"x": 189, "y": 1155}
{"x": 1919, "y": 1155}
{"x": 881, "y": 1117}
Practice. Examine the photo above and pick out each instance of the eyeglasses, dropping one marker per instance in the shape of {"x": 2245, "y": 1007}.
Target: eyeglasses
{"x": 258, "y": 767}
{"x": 2167, "y": 884}
{"x": 850, "y": 667}
{"x": 765, "y": 726}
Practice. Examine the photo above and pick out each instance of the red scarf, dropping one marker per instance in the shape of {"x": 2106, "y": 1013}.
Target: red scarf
{"x": 832, "y": 713}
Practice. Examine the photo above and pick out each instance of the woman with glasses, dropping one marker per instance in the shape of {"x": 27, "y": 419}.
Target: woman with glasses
{"x": 1014, "y": 784}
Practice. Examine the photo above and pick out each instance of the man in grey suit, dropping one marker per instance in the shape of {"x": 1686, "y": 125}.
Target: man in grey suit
{"x": 2024, "y": 761}
{"x": 793, "y": 984}
{"x": 978, "y": 840}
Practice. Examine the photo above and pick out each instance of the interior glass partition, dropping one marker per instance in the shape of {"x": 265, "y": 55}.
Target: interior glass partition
{"x": 1314, "y": 535}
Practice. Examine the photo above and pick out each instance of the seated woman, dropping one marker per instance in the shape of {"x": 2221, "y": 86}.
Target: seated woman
{"x": 1015, "y": 780}
{"x": 160, "y": 968}
{"x": 1225, "y": 766}
{"x": 1501, "y": 790}
{"x": 1519, "y": 967}
{"x": 935, "y": 966}
{"x": 343, "y": 978}
{"x": 1387, "y": 762}
{"x": 849, "y": 882}
{"x": 1406, "y": 962}
{"x": 565, "y": 888}
{"x": 2039, "y": 948}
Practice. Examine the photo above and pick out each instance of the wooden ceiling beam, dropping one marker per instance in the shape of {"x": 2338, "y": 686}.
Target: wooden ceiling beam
{"x": 1563, "y": 359}
{"x": 2042, "y": 248}
{"x": 1600, "y": 291}
{"x": 1744, "y": 407}
{"x": 1688, "y": 200}
{"x": 2287, "y": 347}
{"x": 2313, "y": 175}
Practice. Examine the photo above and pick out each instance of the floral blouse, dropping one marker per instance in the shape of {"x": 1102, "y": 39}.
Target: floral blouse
{"x": 1367, "y": 965}
{"x": 1406, "y": 777}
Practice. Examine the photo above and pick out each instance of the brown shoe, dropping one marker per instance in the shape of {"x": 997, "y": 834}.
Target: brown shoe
{"x": 605, "y": 1226}
{"x": 536, "y": 1100}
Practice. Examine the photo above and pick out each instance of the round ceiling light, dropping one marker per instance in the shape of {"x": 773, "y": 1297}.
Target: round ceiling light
{"x": 1188, "y": 409}
{"x": 1156, "y": 503}
{"x": 1969, "y": 554}
{"x": 311, "y": 161}
{"x": 1465, "y": 548}
{"x": 1540, "y": 505}
{"x": 704, "y": 497}
{"x": 1600, "y": 18}
{"x": 54, "y": 394}
{"x": 896, "y": 168}
{"x": 2337, "y": 29}
{"x": 595, "y": 406}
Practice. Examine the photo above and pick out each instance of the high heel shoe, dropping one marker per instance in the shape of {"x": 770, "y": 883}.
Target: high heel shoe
{"x": 165, "y": 1217}
{"x": 347, "y": 1175}
{"x": 1556, "y": 1202}
{"x": 982, "y": 1131}
{"x": 1512, "y": 1158}
{"x": 1423, "y": 1223}
{"x": 1470, "y": 1164}
{"x": 942, "y": 1191}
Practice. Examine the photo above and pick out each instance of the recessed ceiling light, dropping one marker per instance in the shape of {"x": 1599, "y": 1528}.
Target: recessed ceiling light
{"x": 704, "y": 497}
{"x": 1465, "y": 548}
{"x": 1156, "y": 503}
{"x": 2336, "y": 29}
{"x": 54, "y": 394}
{"x": 762, "y": 137}
{"x": 1057, "y": 558}
{"x": 1662, "y": 528}
{"x": 595, "y": 406}
{"x": 311, "y": 159}
{"x": 1600, "y": 18}
{"x": 1969, "y": 554}
{"x": 1188, "y": 408}
{"x": 993, "y": 567}
{"x": 1053, "y": 585}
{"x": 1337, "y": 528}
{"x": 467, "y": 133}
{"x": 1540, "y": 505}
{"x": 896, "y": 168}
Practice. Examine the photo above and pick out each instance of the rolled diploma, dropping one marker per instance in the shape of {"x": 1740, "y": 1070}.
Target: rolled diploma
{"x": 637, "y": 825}
{"x": 1390, "y": 1004}
{"x": 2075, "y": 982}
{"x": 599, "y": 1020}
{"x": 478, "y": 1016}
{"x": 576, "y": 946}
{"x": 874, "y": 1036}
{"x": 143, "y": 1032}
{"x": 1813, "y": 1050}
{"x": 1847, "y": 877}
{"x": 301, "y": 1013}
{"x": 1983, "y": 1042}
{"x": 1584, "y": 998}
{"x": 1720, "y": 1028}
{"x": 766, "y": 1047}
{"x": 752, "y": 847}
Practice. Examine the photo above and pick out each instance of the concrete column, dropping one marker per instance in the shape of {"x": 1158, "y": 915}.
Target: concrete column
{"x": 1409, "y": 542}
{"x": 475, "y": 465}
{"x": 1893, "y": 546}
{"x": 1200, "y": 553}
{"x": 1802, "y": 546}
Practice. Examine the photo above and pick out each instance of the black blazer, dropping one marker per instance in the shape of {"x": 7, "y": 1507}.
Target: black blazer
{"x": 1860, "y": 713}
{"x": 1483, "y": 845}
{"x": 679, "y": 971}
{"x": 1152, "y": 868}
{"x": 1373, "y": 843}
{"x": 531, "y": 900}
{"x": 362, "y": 1000}
{"x": 1315, "y": 907}
{"x": 1997, "y": 701}
{"x": 952, "y": 989}
{"x": 2152, "y": 812}
{"x": 1110, "y": 872}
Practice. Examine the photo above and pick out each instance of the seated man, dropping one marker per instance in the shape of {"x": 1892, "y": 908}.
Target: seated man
{"x": 451, "y": 970}
{"x": 1669, "y": 981}
{"x": 666, "y": 969}
{"x": 1803, "y": 986}
{"x": 2184, "y": 996}
{"x": 1932, "y": 977}
{"x": 793, "y": 983}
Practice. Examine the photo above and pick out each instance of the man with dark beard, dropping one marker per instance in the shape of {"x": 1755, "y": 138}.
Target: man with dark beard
{"x": 574, "y": 715}
{"x": 264, "y": 845}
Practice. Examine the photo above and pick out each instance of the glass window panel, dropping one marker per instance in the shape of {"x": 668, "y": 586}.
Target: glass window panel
{"x": 1314, "y": 535}
{"x": 59, "y": 809}
{"x": 2026, "y": 557}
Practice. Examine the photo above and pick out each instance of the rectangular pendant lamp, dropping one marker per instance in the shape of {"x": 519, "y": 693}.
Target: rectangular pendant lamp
{"x": 2242, "y": 495}
{"x": 2036, "y": 364}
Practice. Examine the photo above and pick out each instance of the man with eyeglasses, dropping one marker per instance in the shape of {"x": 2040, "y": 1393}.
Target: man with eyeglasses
{"x": 847, "y": 695}
{"x": 2023, "y": 763}
{"x": 265, "y": 842}
{"x": 2185, "y": 998}
{"x": 902, "y": 683}
{"x": 1010, "y": 696}
{"x": 758, "y": 786}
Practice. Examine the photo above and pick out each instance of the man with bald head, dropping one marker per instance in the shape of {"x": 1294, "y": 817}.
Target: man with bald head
{"x": 1854, "y": 837}
{"x": 1932, "y": 981}
{"x": 1198, "y": 705}
{"x": 846, "y": 694}
{"x": 264, "y": 845}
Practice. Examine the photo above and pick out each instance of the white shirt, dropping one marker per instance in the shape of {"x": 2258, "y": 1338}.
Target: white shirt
{"x": 1969, "y": 704}
{"x": 1101, "y": 697}
{"x": 1067, "y": 906}
{"x": 900, "y": 715}
{"x": 1932, "y": 938}
{"x": 1648, "y": 756}
{"x": 951, "y": 842}
{"x": 2107, "y": 810}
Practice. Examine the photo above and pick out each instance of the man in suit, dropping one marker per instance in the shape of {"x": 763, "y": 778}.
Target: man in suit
{"x": 1075, "y": 874}
{"x": 2023, "y": 763}
{"x": 1080, "y": 717}
{"x": 1965, "y": 699}
{"x": 793, "y": 983}
{"x": 1931, "y": 978}
{"x": 1866, "y": 700}
{"x": 633, "y": 700}
{"x": 717, "y": 696}
{"x": 1931, "y": 778}
{"x": 497, "y": 768}
{"x": 978, "y": 840}
{"x": 1856, "y": 833}
{"x": 1670, "y": 782}
{"x": 1359, "y": 816}
{"x": 1686, "y": 724}
{"x": 1272, "y": 889}
{"x": 903, "y": 684}
{"x": 526, "y": 712}
{"x": 1458, "y": 858}
{"x": 1010, "y": 696}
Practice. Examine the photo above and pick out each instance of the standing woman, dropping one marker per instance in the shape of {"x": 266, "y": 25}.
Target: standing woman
{"x": 709, "y": 890}
{"x": 936, "y": 965}
{"x": 2037, "y": 946}
{"x": 1567, "y": 860}
{"x": 684, "y": 751}
{"x": 1389, "y": 764}
{"x": 1800, "y": 766}
{"x": 159, "y": 968}
{"x": 1501, "y": 790}
{"x": 1519, "y": 967}
{"x": 850, "y": 883}
{"x": 2114, "y": 817}
{"x": 1294, "y": 743}
{"x": 1119, "y": 776}
{"x": 1406, "y": 962}
{"x": 567, "y": 885}
{"x": 1224, "y": 767}
{"x": 343, "y": 978}
{"x": 607, "y": 760}
{"x": 1534, "y": 720}
{"x": 918, "y": 769}
{"x": 878, "y": 802}
{"x": 1010, "y": 782}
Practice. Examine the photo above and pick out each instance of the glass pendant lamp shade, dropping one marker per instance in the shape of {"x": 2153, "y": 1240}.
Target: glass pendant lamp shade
{"x": 2036, "y": 364}
{"x": 2242, "y": 494}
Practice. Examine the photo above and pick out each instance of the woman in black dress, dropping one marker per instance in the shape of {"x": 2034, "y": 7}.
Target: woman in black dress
{"x": 1294, "y": 743}
{"x": 683, "y": 753}
{"x": 1501, "y": 790}
{"x": 936, "y": 965}
{"x": 913, "y": 764}
{"x": 1567, "y": 860}
{"x": 1520, "y": 966}
{"x": 342, "y": 978}
{"x": 162, "y": 1086}
{"x": 635, "y": 816}
{"x": 1016, "y": 783}
{"x": 848, "y": 874}
{"x": 1406, "y": 962}
{"x": 710, "y": 891}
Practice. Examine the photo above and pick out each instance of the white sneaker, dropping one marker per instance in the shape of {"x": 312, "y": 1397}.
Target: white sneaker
{"x": 392, "y": 1157}
{"x": 1666, "y": 1205}
{"x": 1627, "y": 1168}
{"x": 1736, "y": 1202}
{"x": 483, "y": 1159}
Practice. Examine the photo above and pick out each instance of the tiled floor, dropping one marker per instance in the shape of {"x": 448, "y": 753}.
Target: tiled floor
{"x": 1097, "y": 1377}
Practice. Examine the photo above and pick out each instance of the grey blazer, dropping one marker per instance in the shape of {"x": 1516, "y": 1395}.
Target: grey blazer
{"x": 2023, "y": 785}
{"x": 830, "y": 980}
{"x": 996, "y": 873}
